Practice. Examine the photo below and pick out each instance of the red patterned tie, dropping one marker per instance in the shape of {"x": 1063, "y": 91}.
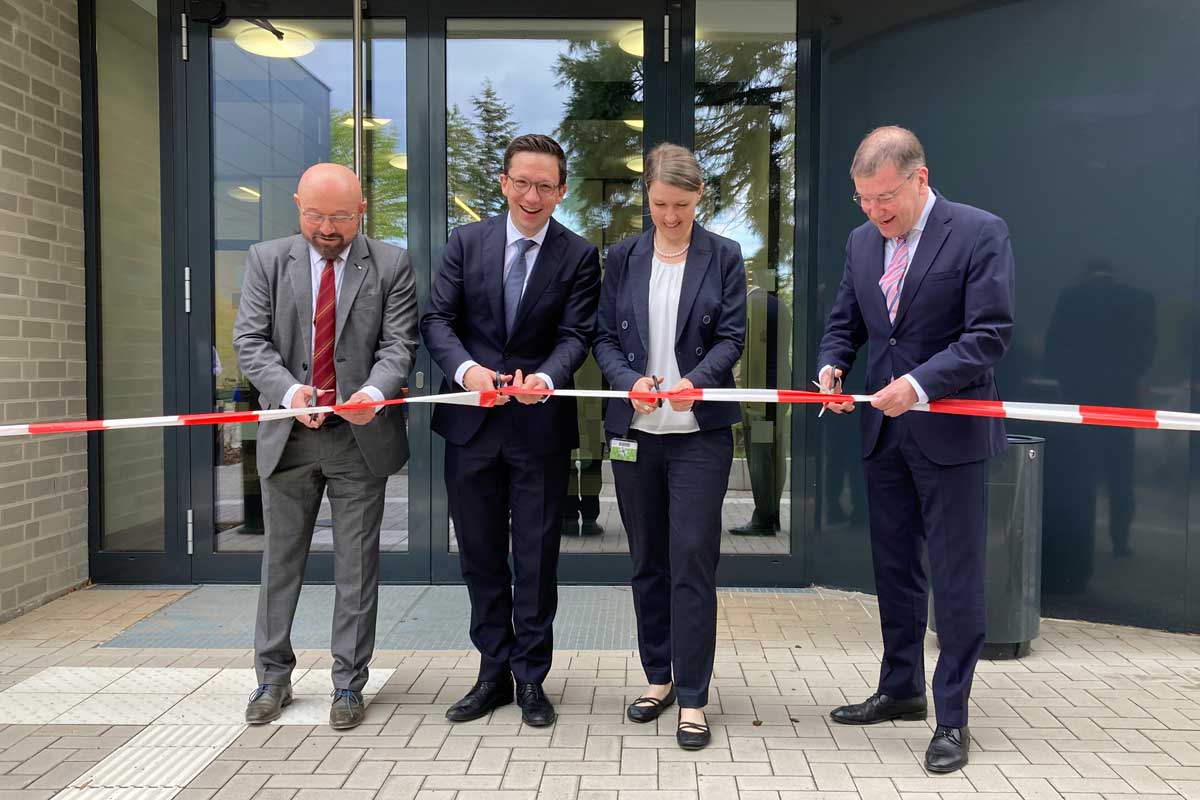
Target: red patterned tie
{"x": 323, "y": 329}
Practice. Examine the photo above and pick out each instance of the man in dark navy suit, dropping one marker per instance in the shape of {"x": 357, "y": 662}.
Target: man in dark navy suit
{"x": 928, "y": 284}
{"x": 514, "y": 302}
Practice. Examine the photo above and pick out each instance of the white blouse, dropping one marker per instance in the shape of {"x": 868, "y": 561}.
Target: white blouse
{"x": 666, "y": 281}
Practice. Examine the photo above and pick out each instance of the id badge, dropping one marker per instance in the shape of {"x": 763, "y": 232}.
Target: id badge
{"x": 623, "y": 450}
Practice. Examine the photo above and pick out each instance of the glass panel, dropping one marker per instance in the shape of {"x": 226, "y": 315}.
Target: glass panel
{"x": 580, "y": 81}
{"x": 131, "y": 340}
{"x": 745, "y": 140}
{"x": 273, "y": 116}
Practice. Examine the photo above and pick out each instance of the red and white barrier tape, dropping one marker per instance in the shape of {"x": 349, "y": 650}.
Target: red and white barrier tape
{"x": 1039, "y": 412}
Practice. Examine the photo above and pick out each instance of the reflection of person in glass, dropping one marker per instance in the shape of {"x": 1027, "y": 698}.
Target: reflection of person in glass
{"x": 581, "y": 506}
{"x": 929, "y": 285}
{"x": 513, "y": 302}
{"x": 765, "y": 425}
{"x": 673, "y": 314}
{"x": 1100, "y": 343}
{"x": 326, "y": 316}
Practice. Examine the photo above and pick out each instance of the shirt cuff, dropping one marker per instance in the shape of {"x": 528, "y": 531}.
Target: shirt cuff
{"x": 288, "y": 395}
{"x": 461, "y": 372}
{"x": 376, "y": 395}
{"x": 549, "y": 384}
{"x": 921, "y": 396}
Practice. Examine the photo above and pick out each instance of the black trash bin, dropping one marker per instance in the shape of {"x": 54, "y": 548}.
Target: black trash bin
{"x": 1014, "y": 549}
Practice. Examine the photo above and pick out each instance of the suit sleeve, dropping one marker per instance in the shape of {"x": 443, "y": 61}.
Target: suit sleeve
{"x": 398, "y": 333}
{"x": 988, "y": 317}
{"x": 609, "y": 355}
{"x": 845, "y": 331}
{"x": 257, "y": 357}
{"x": 578, "y": 323}
{"x": 445, "y": 306}
{"x": 729, "y": 338}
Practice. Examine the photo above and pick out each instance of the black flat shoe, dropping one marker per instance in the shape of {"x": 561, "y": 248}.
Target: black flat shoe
{"x": 692, "y": 735}
{"x": 948, "y": 749}
{"x": 536, "y": 709}
{"x": 881, "y": 708}
{"x": 648, "y": 709}
{"x": 483, "y": 697}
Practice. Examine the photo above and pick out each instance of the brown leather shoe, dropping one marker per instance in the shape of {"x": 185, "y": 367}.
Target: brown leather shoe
{"x": 347, "y": 710}
{"x": 267, "y": 702}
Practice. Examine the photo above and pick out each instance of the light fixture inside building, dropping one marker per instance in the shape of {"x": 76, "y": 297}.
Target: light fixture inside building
{"x": 637, "y": 124}
{"x": 399, "y": 161}
{"x": 245, "y": 194}
{"x": 632, "y": 42}
{"x": 634, "y": 163}
{"x": 291, "y": 43}
{"x": 635, "y": 222}
{"x": 369, "y": 123}
{"x": 458, "y": 201}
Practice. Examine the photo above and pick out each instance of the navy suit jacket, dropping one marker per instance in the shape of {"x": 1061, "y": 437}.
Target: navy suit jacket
{"x": 553, "y": 329}
{"x": 953, "y": 324}
{"x": 710, "y": 329}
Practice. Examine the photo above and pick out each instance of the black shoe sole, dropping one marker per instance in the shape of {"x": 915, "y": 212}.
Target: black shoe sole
{"x": 908, "y": 716}
{"x": 945, "y": 770}
{"x": 483, "y": 712}
{"x": 287, "y": 702}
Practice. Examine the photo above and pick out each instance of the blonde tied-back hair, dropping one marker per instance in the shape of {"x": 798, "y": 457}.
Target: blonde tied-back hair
{"x": 673, "y": 165}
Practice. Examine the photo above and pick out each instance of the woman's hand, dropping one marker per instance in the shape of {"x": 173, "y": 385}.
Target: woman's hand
{"x": 643, "y": 406}
{"x": 682, "y": 404}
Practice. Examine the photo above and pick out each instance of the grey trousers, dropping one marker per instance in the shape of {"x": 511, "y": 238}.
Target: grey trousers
{"x": 313, "y": 461}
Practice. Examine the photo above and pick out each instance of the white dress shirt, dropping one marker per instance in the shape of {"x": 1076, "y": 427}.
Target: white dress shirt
{"x": 510, "y": 250}
{"x": 316, "y": 267}
{"x": 889, "y": 249}
{"x": 666, "y": 283}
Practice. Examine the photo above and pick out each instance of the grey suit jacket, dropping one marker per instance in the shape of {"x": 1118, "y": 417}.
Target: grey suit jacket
{"x": 375, "y": 338}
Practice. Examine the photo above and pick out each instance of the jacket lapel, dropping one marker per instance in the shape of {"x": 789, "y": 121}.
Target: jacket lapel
{"x": 493, "y": 270}
{"x": 299, "y": 269}
{"x": 698, "y": 258}
{"x": 358, "y": 261}
{"x": 937, "y": 228}
{"x": 545, "y": 266}
{"x": 639, "y": 268}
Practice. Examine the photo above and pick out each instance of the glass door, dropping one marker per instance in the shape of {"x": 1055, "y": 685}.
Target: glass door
{"x": 270, "y": 94}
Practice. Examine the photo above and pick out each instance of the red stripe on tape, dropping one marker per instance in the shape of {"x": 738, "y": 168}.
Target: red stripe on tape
{"x": 67, "y": 427}
{"x": 969, "y": 408}
{"x": 219, "y": 418}
{"x": 801, "y": 396}
{"x": 1120, "y": 417}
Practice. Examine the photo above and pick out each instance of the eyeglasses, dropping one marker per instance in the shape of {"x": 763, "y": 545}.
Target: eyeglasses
{"x": 522, "y": 186}
{"x": 880, "y": 199}
{"x": 336, "y": 219}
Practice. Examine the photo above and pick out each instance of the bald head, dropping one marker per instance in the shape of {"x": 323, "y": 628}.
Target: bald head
{"x": 329, "y": 199}
{"x": 890, "y": 144}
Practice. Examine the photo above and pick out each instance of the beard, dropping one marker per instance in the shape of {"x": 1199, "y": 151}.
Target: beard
{"x": 328, "y": 247}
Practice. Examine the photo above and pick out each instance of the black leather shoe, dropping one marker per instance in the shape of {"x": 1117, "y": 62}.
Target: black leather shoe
{"x": 881, "y": 708}
{"x": 692, "y": 735}
{"x": 483, "y": 697}
{"x": 589, "y": 527}
{"x": 267, "y": 702}
{"x": 536, "y": 709}
{"x": 347, "y": 710}
{"x": 948, "y": 750}
{"x": 648, "y": 709}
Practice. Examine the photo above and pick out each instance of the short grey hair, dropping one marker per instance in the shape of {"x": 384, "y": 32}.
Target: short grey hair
{"x": 673, "y": 165}
{"x": 889, "y": 144}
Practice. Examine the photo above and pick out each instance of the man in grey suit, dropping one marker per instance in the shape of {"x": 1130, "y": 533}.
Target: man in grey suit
{"x": 326, "y": 316}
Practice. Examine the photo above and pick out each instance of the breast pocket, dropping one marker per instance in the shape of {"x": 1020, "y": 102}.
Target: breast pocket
{"x": 947, "y": 275}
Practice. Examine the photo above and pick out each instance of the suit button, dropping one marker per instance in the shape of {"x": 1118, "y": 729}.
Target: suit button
{"x": 624, "y": 324}
{"x": 631, "y": 356}
{"x": 699, "y": 351}
{"x": 707, "y": 319}
{"x": 304, "y": 366}
{"x": 892, "y": 342}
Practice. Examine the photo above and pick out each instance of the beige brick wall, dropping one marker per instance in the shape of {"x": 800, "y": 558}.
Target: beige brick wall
{"x": 43, "y": 481}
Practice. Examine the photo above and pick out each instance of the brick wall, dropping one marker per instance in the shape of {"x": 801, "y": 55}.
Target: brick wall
{"x": 43, "y": 481}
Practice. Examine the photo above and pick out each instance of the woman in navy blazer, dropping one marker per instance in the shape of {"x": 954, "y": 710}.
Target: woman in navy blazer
{"x": 673, "y": 315}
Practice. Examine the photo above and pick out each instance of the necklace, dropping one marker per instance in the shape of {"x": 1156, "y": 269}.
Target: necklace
{"x": 661, "y": 254}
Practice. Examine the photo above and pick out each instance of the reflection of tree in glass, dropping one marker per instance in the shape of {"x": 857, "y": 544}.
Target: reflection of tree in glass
{"x": 475, "y": 156}
{"x": 385, "y": 187}
{"x": 745, "y": 139}
{"x": 605, "y": 86}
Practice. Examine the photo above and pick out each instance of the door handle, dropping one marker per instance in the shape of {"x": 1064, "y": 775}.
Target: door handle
{"x": 420, "y": 380}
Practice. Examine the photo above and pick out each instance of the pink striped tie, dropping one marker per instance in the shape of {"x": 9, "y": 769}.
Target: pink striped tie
{"x": 890, "y": 282}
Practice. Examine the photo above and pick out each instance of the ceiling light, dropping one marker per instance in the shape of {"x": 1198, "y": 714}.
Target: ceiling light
{"x": 262, "y": 42}
{"x": 634, "y": 163}
{"x": 458, "y": 201}
{"x": 399, "y": 161}
{"x": 637, "y": 124}
{"x": 245, "y": 194}
{"x": 632, "y": 42}
{"x": 369, "y": 123}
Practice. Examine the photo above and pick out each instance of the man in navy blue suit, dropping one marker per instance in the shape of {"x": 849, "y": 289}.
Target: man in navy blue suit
{"x": 513, "y": 303}
{"x": 928, "y": 285}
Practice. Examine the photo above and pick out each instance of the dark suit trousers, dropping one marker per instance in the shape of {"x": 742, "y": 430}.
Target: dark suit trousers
{"x": 670, "y": 501}
{"x": 313, "y": 462}
{"x": 512, "y": 616}
{"x": 915, "y": 502}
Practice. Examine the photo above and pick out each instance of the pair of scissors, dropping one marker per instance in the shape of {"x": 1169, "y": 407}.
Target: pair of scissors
{"x": 835, "y": 387}
{"x": 657, "y": 387}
